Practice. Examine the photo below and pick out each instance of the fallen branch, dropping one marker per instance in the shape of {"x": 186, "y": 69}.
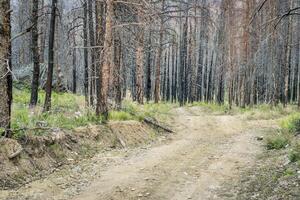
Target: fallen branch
{"x": 153, "y": 122}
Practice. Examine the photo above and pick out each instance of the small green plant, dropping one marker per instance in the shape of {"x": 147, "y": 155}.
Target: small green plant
{"x": 278, "y": 141}
{"x": 291, "y": 123}
{"x": 294, "y": 155}
{"x": 289, "y": 172}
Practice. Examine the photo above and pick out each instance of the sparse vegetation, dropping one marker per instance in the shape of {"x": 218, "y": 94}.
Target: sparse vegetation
{"x": 278, "y": 141}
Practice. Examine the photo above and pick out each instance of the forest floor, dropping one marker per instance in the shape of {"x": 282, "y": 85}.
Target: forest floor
{"x": 208, "y": 157}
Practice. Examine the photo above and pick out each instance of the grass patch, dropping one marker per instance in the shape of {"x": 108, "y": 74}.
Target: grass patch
{"x": 278, "y": 141}
{"x": 267, "y": 112}
{"x": 159, "y": 111}
{"x": 68, "y": 112}
{"x": 294, "y": 155}
{"x": 291, "y": 123}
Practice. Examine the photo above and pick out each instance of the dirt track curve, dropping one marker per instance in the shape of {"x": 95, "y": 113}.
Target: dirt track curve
{"x": 206, "y": 152}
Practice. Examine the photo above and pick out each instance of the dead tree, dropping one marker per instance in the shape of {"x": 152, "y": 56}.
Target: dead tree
{"x": 48, "y": 89}
{"x": 35, "y": 54}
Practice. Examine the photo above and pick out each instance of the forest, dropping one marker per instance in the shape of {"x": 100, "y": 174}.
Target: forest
{"x": 71, "y": 64}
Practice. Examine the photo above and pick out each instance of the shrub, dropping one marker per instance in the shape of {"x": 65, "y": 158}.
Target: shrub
{"x": 294, "y": 155}
{"x": 279, "y": 141}
{"x": 291, "y": 123}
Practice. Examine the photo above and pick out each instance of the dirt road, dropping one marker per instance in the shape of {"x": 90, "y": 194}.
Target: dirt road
{"x": 206, "y": 152}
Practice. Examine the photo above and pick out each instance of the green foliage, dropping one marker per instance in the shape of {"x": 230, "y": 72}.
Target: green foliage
{"x": 278, "y": 141}
{"x": 289, "y": 172}
{"x": 120, "y": 116}
{"x": 294, "y": 155}
{"x": 291, "y": 123}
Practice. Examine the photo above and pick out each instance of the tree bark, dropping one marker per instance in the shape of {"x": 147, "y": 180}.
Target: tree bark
{"x": 85, "y": 53}
{"x": 92, "y": 44}
{"x": 35, "y": 54}
{"x": 158, "y": 58}
{"x": 5, "y": 67}
{"x": 48, "y": 89}
{"x": 107, "y": 61}
{"x": 140, "y": 60}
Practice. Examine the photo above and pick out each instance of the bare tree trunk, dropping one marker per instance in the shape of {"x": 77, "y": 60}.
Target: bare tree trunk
{"x": 148, "y": 71}
{"x": 92, "y": 43}
{"x": 117, "y": 71}
{"x": 158, "y": 58}
{"x": 5, "y": 67}
{"x": 100, "y": 12}
{"x": 140, "y": 60}
{"x": 35, "y": 54}
{"x": 74, "y": 70}
{"x": 48, "y": 89}
{"x": 85, "y": 53}
{"x": 287, "y": 62}
{"x": 107, "y": 61}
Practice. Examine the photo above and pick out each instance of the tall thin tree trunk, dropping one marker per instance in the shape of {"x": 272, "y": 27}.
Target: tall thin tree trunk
{"x": 92, "y": 43}
{"x": 85, "y": 53}
{"x": 140, "y": 60}
{"x": 48, "y": 89}
{"x": 74, "y": 70}
{"x": 148, "y": 71}
{"x": 287, "y": 62}
{"x": 158, "y": 57}
{"x": 35, "y": 54}
{"x": 117, "y": 71}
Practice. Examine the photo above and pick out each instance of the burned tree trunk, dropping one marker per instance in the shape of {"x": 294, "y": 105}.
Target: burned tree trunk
{"x": 35, "y": 54}
{"x": 85, "y": 53}
{"x": 140, "y": 60}
{"x": 158, "y": 58}
{"x": 107, "y": 61}
{"x": 48, "y": 89}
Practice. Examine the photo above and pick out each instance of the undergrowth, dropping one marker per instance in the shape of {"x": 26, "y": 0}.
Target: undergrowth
{"x": 68, "y": 111}
{"x": 287, "y": 137}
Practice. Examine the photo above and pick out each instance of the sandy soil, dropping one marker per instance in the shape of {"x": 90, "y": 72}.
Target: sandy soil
{"x": 206, "y": 152}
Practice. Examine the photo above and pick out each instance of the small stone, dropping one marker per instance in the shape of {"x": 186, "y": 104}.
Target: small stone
{"x": 260, "y": 138}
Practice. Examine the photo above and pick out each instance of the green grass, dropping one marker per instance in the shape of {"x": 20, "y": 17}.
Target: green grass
{"x": 278, "y": 141}
{"x": 151, "y": 109}
{"x": 68, "y": 111}
{"x": 291, "y": 123}
{"x": 294, "y": 155}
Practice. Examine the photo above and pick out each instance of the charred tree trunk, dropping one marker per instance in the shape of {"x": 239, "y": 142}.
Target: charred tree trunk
{"x": 48, "y": 89}
{"x": 148, "y": 71}
{"x": 35, "y": 54}
{"x": 140, "y": 61}
{"x": 74, "y": 70}
{"x": 85, "y": 53}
